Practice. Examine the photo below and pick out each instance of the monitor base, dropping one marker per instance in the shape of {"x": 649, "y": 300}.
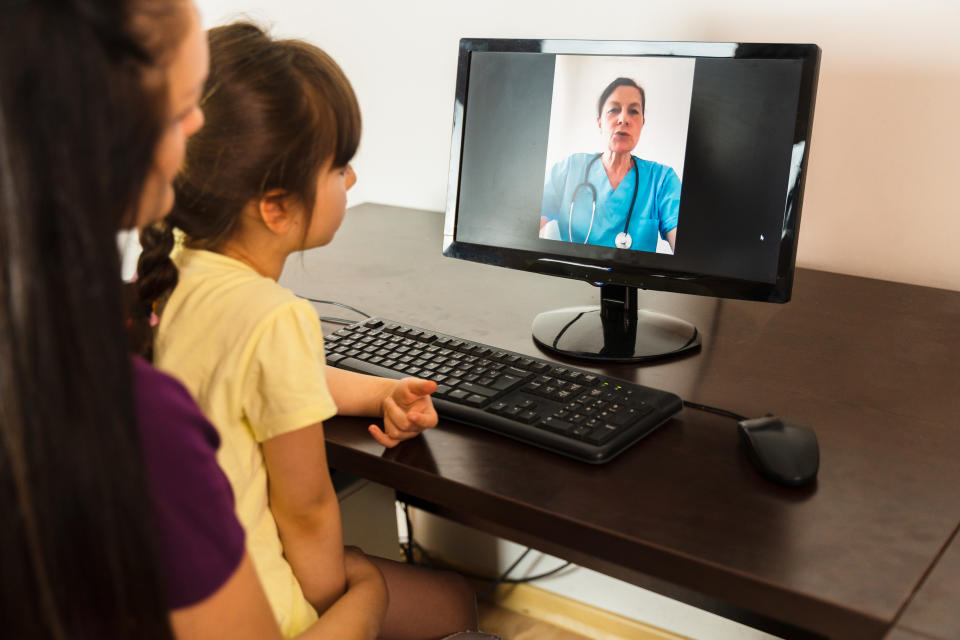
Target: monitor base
{"x": 616, "y": 331}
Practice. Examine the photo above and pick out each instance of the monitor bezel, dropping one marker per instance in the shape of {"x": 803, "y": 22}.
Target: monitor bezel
{"x": 598, "y": 272}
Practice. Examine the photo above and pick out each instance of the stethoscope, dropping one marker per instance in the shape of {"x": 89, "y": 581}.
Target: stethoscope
{"x": 623, "y": 239}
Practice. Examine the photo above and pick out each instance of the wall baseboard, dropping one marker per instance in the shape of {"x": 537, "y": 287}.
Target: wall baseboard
{"x": 574, "y": 616}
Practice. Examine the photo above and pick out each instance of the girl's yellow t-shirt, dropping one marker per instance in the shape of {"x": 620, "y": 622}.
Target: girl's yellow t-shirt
{"x": 251, "y": 353}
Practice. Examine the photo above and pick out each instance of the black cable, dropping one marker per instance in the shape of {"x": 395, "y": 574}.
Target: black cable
{"x": 475, "y": 576}
{"x": 336, "y": 320}
{"x": 503, "y": 576}
{"x": 412, "y": 545}
{"x": 709, "y": 409}
{"x": 408, "y": 550}
{"x": 335, "y": 303}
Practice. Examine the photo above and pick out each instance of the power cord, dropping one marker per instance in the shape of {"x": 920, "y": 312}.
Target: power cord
{"x": 412, "y": 545}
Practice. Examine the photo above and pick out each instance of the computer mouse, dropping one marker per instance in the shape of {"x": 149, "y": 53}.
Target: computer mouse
{"x": 784, "y": 453}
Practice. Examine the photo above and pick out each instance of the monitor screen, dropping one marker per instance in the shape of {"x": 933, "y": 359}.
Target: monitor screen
{"x": 662, "y": 165}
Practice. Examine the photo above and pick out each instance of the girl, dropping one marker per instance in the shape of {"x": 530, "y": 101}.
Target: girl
{"x": 117, "y": 521}
{"x": 266, "y": 177}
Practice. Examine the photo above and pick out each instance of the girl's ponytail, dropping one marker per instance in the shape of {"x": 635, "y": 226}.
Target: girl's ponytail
{"x": 156, "y": 278}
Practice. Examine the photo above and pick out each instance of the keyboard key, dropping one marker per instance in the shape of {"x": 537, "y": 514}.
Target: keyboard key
{"x": 581, "y": 430}
{"x": 528, "y": 416}
{"x": 558, "y": 425}
{"x": 478, "y": 389}
{"x": 476, "y": 400}
{"x": 600, "y": 435}
{"x": 505, "y": 381}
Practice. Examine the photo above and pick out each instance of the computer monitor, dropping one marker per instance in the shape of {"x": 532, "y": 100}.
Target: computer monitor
{"x": 674, "y": 166}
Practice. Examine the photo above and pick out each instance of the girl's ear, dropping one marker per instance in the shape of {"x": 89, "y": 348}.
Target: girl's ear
{"x": 275, "y": 212}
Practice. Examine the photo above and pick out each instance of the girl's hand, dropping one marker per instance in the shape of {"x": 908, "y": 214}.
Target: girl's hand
{"x": 407, "y": 410}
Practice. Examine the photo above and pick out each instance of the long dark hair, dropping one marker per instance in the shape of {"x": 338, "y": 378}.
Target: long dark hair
{"x": 275, "y": 111}
{"x": 79, "y": 121}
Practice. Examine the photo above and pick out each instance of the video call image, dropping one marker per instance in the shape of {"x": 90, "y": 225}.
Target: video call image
{"x": 617, "y": 138}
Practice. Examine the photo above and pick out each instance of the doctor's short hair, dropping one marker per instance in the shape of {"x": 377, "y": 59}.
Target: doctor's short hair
{"x": 622, "y": 82}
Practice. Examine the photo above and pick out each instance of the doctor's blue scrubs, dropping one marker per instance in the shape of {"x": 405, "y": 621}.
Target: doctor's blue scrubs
{"x": 654, "y": 213}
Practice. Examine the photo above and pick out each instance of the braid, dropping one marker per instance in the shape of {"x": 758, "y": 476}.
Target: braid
{"x": 156, "y": 273}
{"x": 156, "y": 278}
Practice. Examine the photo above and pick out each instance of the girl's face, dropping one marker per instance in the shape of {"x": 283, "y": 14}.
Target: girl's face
{"x": 184, "y": 77}
{"x": 330, "y": 204}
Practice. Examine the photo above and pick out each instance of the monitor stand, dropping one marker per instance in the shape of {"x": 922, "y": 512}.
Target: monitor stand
{"x": 616, "y": 331}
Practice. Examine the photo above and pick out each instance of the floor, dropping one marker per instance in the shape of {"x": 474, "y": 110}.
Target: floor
{"x": 515, "y": 626}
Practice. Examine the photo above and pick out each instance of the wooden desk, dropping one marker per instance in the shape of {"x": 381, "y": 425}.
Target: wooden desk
{"x": 871, "y": 365}
{"x": 934, "y": 612}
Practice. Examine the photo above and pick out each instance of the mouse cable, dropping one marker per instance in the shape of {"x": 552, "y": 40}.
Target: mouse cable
{"x": 709, "y": 409}
{"x": 412, "y": 545}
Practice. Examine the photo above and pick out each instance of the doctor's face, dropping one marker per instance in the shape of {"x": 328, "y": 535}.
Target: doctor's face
{"x": 621, "y": 120}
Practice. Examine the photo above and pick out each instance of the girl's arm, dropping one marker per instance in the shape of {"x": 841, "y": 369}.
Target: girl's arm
{"x": 357, "y": 394}
{"x": 304, "y": 505}
{"x": 404, "y": 404}
{"x": 359, "y": 614}
{"x": 239, "y": 609}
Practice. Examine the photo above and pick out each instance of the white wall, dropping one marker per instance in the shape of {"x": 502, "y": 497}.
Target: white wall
{"x": 880, "y": 196}
{"x": 880, "y": 190}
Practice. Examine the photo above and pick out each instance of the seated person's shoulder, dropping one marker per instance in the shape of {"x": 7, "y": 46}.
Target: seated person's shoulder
{"x": 212, "y": 284}
{"x": 169, "y": 419}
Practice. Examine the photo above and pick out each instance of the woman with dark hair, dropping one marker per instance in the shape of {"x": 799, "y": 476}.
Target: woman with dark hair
{"x": 115, "y": 519}
{"x": 613, "y": 198}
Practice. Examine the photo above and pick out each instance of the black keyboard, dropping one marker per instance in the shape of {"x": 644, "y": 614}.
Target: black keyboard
{"x": 560, "y": 408}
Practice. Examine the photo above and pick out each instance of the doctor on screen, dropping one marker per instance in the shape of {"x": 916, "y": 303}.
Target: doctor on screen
{"x": 613, "y": 198}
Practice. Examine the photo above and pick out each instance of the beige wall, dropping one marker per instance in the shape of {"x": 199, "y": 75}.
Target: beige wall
{"x": 881, "y": 190}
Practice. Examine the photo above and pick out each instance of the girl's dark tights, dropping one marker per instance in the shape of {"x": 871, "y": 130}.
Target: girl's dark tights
{"x": 425, "y": 603}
